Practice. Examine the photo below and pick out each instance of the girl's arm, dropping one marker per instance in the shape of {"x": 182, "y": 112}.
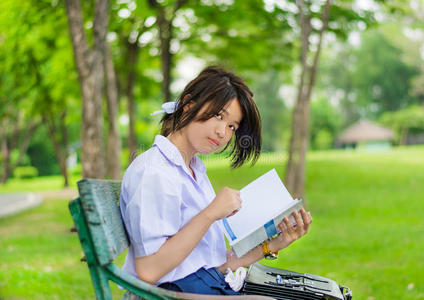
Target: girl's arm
{"x": 152, "y": 267}
{"x": 285, "y": 238}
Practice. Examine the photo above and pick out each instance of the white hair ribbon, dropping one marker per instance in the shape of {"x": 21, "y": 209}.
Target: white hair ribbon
{"x": 168, "y": 107}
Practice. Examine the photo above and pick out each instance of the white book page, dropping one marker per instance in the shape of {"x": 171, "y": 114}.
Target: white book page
{"x": 262, "y": 200}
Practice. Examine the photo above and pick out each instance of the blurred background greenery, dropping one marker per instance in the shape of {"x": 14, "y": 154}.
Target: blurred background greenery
{"x": 364, "y": 192}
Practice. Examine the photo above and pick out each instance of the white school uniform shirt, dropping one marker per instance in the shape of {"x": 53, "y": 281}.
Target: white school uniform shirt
{"x": 158, "y": 197}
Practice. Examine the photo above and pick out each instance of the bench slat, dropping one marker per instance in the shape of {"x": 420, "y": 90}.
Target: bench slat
{"x": 100, "y": 200}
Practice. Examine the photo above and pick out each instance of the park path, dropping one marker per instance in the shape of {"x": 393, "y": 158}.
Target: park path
{"x": 13, "y": 203}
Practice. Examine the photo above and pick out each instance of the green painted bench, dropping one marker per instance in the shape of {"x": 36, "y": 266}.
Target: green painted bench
{"x": 103, "y": 238}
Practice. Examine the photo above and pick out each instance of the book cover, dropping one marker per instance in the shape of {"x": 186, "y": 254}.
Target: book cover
{"x": 265, "y": 202}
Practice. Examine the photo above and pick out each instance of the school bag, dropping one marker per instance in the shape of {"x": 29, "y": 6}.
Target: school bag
{"x": 289, "y": 285}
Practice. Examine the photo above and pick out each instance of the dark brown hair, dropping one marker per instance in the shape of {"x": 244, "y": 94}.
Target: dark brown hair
{"x": 217, "y": 87}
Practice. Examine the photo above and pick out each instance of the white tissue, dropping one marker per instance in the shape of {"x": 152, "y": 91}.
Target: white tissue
{"x": 235, "y": 280}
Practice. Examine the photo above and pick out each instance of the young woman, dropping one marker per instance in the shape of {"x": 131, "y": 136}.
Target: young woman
{"x": 168, "y": 204}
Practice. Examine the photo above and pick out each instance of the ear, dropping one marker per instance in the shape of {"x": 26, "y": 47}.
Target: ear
{"x": 186, "y": 97}
{"x": 189, "y": 104}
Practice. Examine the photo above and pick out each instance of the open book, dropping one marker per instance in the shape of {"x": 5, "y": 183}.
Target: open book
{"x": 265, "y": 202}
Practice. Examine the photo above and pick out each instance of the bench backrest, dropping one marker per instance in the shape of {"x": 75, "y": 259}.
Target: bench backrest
{"x": 100, "y": 203}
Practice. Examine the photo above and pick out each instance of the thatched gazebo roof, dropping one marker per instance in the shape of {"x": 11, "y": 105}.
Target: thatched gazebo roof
{"x": 364, "y": 131}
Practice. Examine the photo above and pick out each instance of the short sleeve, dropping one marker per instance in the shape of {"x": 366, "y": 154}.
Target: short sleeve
{"x": 153, "y": 212}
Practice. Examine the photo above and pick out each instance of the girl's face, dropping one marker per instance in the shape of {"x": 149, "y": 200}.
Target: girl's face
{"x": 210, "y": 135}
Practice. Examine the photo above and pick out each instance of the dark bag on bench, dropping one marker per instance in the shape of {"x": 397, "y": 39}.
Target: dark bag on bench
{"x": 288, "y": 285}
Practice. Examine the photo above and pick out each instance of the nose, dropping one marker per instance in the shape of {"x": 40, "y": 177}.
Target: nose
{"x": 220, "y": 129}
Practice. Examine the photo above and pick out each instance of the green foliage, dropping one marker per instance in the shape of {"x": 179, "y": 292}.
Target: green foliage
{"x": 14, "y": 156}
{"x": 146, "y": 127}
{"x": 382, "y": 78}
{"x": 265, "y": 86}
{"x": 410, "y": 119}
{"x": 243, "y": 35}
{"x": 256, "y": 39}
{"x": 324, "y": 140}
{"x": 77, "y": 171}
{"x": 138, "y": 28}
{"x": 41, "y": 154}
{"x": 40, "y": 79}
{"x": 372, "y": 79}
{"x": 25, "y": 172}
{"x": 411, "y": 50}
{"x": 325, "y": 124}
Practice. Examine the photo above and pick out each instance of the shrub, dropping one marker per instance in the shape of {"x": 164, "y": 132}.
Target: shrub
{"x": 25, "y": 172}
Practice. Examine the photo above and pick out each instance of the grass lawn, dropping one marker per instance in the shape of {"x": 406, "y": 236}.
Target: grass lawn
{"x": 367, "y": 232}
{"x": 38, "y": 184}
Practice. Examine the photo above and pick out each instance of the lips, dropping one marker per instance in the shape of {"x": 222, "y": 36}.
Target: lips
{"x": 214, "y": 142}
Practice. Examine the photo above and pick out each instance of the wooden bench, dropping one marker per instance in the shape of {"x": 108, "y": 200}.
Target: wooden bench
{"x": 103, "y": 238}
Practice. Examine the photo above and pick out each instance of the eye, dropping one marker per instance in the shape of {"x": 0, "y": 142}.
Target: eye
{"x": 219, "y": 116}
{"x": 232, "y": 127}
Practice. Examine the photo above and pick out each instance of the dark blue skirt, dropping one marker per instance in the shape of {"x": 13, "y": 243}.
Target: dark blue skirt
{"x": 209, "y": 282}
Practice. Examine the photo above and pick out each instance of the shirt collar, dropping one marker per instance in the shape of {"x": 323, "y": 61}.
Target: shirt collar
{"x": 171, "y": 152}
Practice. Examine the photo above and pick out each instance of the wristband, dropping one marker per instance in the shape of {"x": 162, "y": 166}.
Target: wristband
{"x": 267, "y": 252}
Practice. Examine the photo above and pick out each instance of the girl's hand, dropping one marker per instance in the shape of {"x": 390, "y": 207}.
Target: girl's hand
{"x": 233, "y": 262}
{"x": 225, "y": 204}
{"x": 290, "y": 233}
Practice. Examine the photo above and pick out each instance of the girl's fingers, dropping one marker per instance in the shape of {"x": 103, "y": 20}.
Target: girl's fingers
{"x": 284, "y": 230}
{"x": 233, "y": 213}
{"x": 288, "y": 224}
{"x": 305, "y": 215}
{"x": 299, "y": 221}
{"x": 291, "y": 231}
{"x": 285, "y": 236}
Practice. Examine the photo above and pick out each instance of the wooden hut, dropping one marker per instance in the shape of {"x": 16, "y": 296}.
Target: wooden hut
{"x": 366, "y": 134}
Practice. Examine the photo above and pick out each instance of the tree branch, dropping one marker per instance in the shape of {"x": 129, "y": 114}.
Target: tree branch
{"x": 100, "y": 25}
{"x": 25, "y": 143}
{"x": 324, "y": 19}
{"x": 177, "y": 6}
{"x": 80, "y": 45}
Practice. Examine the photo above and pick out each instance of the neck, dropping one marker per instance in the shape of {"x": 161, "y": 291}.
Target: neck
{"x": 179, "y": 140}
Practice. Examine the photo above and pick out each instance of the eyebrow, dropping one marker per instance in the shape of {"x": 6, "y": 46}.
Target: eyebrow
{"x": 226, "y": 111}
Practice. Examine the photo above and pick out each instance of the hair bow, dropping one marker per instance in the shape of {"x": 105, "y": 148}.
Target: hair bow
{"x": 168, "y": 107}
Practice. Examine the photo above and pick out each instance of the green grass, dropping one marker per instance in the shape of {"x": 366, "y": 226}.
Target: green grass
{"x": 367, "y": 232}
{"x": 37, "y": 184}
{"x": 41, "y": 257}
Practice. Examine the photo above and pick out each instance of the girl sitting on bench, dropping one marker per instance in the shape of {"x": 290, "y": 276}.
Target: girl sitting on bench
{"x": 168, "y": 204}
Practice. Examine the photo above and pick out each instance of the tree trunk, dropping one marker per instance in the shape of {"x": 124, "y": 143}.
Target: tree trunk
{"x": 113, "y": 159}
{"x": 132, "y": 61}
{"x": 5, "y": 153}
{"x": 10, "y": 144}
{"x": 25, "y": 142}
{"x": 60, "y": 147}
{"x": 90, "y": 66}
{"x": 65, "y": 145}
{"x": 296, "y": 165}
{"x": 403, "y": 136}
{"x": 165, "y": 35}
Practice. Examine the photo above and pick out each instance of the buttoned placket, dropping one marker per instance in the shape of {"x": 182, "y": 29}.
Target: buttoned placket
{"x": 198, "y": 178}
